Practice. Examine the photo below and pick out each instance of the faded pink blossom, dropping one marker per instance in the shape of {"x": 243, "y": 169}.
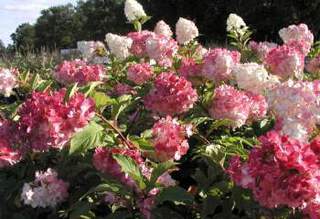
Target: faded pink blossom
{"x": 169, "y": 139}
{"x": 140, "y": 73}
{"x": 218, "y": 64}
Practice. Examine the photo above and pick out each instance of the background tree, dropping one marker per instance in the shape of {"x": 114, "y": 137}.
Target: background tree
{"x": 57, "y": 27}
{"x": 62, "y": 26}
{"x": 24, "y": 37}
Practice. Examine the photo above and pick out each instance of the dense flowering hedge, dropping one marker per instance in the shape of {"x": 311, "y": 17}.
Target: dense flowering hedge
{"x": 151, "y": 126}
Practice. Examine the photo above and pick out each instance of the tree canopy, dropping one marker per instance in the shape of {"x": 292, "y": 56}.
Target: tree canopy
{"x": 62, "y": 26}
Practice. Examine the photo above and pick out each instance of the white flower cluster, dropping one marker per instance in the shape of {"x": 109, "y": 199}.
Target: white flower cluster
{"x": 236, "y": 23}
{"x": 253, "y": 77}
{"x": 186, "y": 31}
{"x": 45, "y": 191}
{"x": 163, "y": 29}
{"x": 119, "y": 45}
{"x": 133, "y": 10}
{"x": 8, "y": 81}
{"x": 93, "y": 51}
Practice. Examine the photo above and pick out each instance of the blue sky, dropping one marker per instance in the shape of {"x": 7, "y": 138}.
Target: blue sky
{"x": 15, "y": 12}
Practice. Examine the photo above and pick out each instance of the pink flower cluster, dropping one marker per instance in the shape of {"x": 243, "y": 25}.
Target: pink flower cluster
{"x": 285, "y": 61}
{"x": 171, "y": 95}
{"x": 105, "y": 163}
{"x": 8, "y": 155}
{"x": 78, "y": 71}
{"x": 296, "y": 106}
{"x": 162, "y": 49}
{"x": 169, "y": 139}
{"x": 189, "y": 68}
{"x": 139, "y": 39}
{"x": 261, "y": 49}
{"x": 218, "y": 63}
{"x": 8, "y": 81}
{"x": 45, "y": 191}
{"x": 280, "y": 172}
{"x": 237, "y": 106}
{"x": 122, "y": 89}
{"x": 47, "y": 121}
{"x": 300, "y": 33}
{"x": 139, "y": 73}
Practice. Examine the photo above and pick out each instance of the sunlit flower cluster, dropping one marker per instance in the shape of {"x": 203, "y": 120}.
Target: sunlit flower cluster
{"x": 237, "y": 106}
{"x": 169, "y": 139}
{"x": 47, "y": 121}
{"x": 280, "y": 172}
{"x": 78, "y": 71}
{"x": 140, "y": 73}
{"x": 8, "y": 81}
{"x": 171, "y": 95}
{"x": 218, "y": 64}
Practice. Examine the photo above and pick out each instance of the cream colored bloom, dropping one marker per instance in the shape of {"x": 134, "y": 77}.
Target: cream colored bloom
{"x": 133, "y": 10}
{"x": 163, "y": 29}
{"x": 186, "y": 31}
{"x": 235, "y": 22}
{"x": 119, "y": 45}
{"x": 252, "y": 77}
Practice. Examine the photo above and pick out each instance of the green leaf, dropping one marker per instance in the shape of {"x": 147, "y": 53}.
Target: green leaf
{"x": 86, "y": 90}
{"x": 174, "y": 194}
{"x": 129, "y": 166}
{"x": 159, "y": 170}
{"x": 72, "y": 89}
{"x": 102, "y": 100}
{"x": 43, "y": 86}
{"x": 89, "y": 137}
{"x": 123, "y": 102}
{"x": 34, "y": 81}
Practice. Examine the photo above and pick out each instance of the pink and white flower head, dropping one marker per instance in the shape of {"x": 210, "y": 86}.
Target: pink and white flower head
{"x": 280, "y": 172}
{"x": 47, "y": 121}
{"x": 8, "y": 81}
{"x": 140, "y": 73}
{"x": 138, "y": 47}
{"x": 261, "y": 49}
{"x": 8, "y": 155}
{"x": 45, "y": 191}
{"x": 189, "y": 68}
{"x": 258, "y": 106}
{"x": 106, "y": 164}
{"x": 169, "y": 139}
{"x": 162, "y": 28}
{"x": 218, "y": 64}
{"x": 162, "y": 49}
{"x": 78, "y": 71}
{"x": 186, "y": 31}
{"x": 285, "y": 62}
{"x": 229, "y": 103}
{"x": 296, "y": 106}
{"x": 119, "y": 45}
{"x": 313, "y": 66}
{"x": 171, "y": 95}
{"x": 299, "y": 32}
{"x": 133, "y": 10}
{"x": 252, "y": 77}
